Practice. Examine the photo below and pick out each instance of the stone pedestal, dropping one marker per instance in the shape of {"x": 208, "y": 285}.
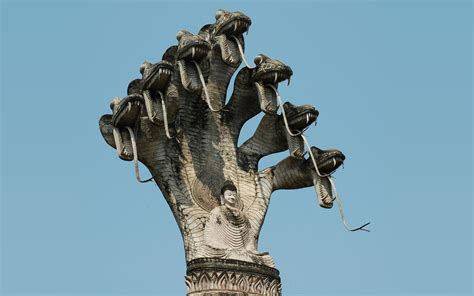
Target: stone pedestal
{"x": 212, "y": 277}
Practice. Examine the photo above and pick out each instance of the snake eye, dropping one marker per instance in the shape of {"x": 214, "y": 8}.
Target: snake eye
{"x": 219, "y": 13}
{"x": 142, "y": 68}
{"x": 258, "y": 59}
{"x": 115, "y": 101}
{"x": 180, "y": 34}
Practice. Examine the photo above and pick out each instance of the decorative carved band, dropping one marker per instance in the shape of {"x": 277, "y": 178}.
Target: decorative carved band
{"x": 211, "y": 276}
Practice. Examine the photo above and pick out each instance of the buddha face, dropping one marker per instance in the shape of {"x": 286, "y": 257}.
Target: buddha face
{"x": 229, "y": 197}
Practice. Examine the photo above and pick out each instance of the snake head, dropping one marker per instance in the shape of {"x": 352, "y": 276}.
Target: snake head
{"x": 227, "y": 31}
{"x": 231, "y": 23}
{"x": 299, "y": 117}
{"x": 191, "y": 54}
{"x": 328, "y": 160}
{"x": 191, "y": 47}
{"x": 266, "y": 75}
{"x": 125, "y": 116}
{"x": 156, "y": 77}
{"x": 126, "y": 111}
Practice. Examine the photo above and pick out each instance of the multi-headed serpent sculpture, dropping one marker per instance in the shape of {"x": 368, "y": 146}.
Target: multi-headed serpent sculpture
{"x": 177, "y": 122}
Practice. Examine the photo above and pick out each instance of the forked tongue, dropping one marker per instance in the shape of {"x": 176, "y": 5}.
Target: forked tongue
{"x": 189, "y": 76}
{"x": 327, "y": 193}
{"x": 341, "y": 210}
{"x": 323, "y": 184}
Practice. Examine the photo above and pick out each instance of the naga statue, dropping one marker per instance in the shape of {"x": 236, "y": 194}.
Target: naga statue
{"x": 177, "y": 121}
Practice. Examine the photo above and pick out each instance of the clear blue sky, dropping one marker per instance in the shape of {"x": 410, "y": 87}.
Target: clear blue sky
{"x": 392, "y": 81}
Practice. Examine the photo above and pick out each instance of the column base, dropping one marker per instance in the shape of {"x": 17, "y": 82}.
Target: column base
{"x": 226, "y": 277}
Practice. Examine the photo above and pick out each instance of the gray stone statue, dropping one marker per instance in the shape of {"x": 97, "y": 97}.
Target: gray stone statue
{"x": 228, "y": 233}
{"x": 177, "y": 121}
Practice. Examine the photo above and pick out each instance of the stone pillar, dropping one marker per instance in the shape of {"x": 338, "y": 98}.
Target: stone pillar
{"x": 218, "y": 277}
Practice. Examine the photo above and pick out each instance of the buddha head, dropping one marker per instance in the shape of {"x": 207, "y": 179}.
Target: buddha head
{"x": 228, "y": 194}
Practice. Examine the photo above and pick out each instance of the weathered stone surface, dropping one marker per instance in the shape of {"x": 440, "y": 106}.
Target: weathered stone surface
{"x": 177, "y": 122}
{"x": 212, "y": 277}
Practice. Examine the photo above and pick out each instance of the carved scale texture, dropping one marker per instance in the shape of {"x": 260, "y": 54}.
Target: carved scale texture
{"x": 191, "y": 168}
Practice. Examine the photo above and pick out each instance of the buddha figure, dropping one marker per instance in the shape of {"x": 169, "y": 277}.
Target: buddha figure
{"x": 228, "y": 233}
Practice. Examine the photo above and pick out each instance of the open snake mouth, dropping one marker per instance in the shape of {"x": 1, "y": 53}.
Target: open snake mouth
{"x": 191, "y": 47}
{"x": 126, "y": 111}
{"x": 231, "y": 23}
{"x": 300, "y": 117}
{"x": 328, "y": 160}
{"x": 191, "y": 50}
{"x": 266, "y": 76}
{"x": 228, "y": 31}
{"x": 156, "y": 77}
{"x": 116, "y": 138}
